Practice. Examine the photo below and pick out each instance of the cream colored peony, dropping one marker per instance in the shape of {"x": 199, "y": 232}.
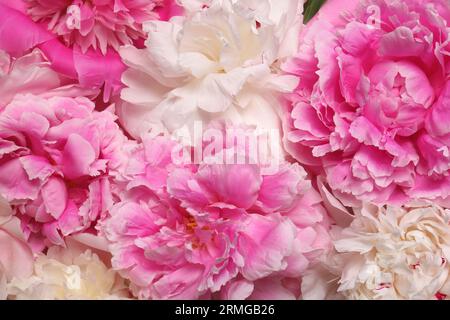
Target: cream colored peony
{"x": 219, "y": 61}
{"x": 68, "y": 274}
{"x": 387, "y": 253}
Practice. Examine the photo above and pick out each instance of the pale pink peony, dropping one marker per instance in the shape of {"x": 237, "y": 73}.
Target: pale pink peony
{"x": 16, "y": 258}
{"x": 68, "y": 274}
{"x": 80, "y": 38}
{"x": 33, "y": 74}
{"x": 372, "y": 107}
{"x": 56, "y": 157}
{"x": 96, "y": 23}
{"x": 185, "y": 231}
{"x": 387, "y": 252}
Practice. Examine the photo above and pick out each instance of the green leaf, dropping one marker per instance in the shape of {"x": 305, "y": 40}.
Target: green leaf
{"x": 311, "y": 8}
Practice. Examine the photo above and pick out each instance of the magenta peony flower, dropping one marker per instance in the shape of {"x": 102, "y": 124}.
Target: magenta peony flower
{"x": 185, "y": 231}
{"x": 56, "y": 157}
{"x": 372, "y": 108}
{"x": 96, "y": 23}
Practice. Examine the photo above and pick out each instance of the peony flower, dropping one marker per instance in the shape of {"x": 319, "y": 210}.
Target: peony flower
{"x": 96, "y": 24}
{"x": 57, "y": 157}
{"x": 391, "y": 253}
{"x": 80, "y": 38}
{"x": 16, "y": 258}
{"x": 269, "y": 288}
{"x": 188, "y": 231}
{"x": 65, "y": 274}
{"x": 371, "y": 106}
{"x": 31, "y": 73}
{"x": 220, "y": 61}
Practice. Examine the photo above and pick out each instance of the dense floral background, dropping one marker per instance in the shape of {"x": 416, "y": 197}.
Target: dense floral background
{"x": 224, "y": 149}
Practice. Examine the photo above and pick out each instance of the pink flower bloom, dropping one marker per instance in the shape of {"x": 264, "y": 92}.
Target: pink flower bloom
{"x": 31, "y": 73}
{"x": 56, "y": 156}
{"x": 372, "y": 105}
{"x": 97, "y": 23}
{"x": 79, "y": 38}
{"x": 186, "y": 231}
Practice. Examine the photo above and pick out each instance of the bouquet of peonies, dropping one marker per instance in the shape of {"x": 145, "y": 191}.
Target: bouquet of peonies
{"x": 224, "y": 149}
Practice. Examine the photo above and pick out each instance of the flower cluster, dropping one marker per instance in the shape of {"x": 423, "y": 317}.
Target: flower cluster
{"x": 224, "y": 149}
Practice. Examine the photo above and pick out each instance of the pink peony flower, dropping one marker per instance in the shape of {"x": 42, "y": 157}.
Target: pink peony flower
{"x": 386, "y": 253}
{"x": 80, "y": 38}
{"x": 97, "y": 23}
{"x": 185, "y": 231}
{"x": 56, "y": 159}
{"x": 31, "y": 73}
{"x": 197, "y": 68}
{"x": 372, "y": 105}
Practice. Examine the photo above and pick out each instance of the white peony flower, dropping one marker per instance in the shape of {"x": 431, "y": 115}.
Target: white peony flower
{"x": 66, "y": 274}
{"x": 220, "y": 61}
{"x": 388, "y": 253}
